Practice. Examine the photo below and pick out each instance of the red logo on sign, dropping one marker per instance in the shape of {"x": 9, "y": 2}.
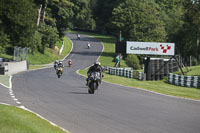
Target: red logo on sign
{"x": 165, "y": 49}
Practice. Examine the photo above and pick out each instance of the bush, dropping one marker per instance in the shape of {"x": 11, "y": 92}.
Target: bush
{"x": 133, "y": 61}
{"x": 194, "y": 62}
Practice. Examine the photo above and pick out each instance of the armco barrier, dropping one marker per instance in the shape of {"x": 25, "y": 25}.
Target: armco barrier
{"x": 126, "y": 72}
{"x": 181, "y": 80}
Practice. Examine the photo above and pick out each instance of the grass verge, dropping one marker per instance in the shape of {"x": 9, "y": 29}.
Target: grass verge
{"x": 190, "y": 71}
{"x": 16, "y": 120}
{"x": 4, "y": 79}
{"x": 157, "y": 86}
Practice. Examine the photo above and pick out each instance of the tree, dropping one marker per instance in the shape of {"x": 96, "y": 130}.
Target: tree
{"x": 18, "y": 21}
{"x": 188, "y": 37}
{"x": 172, "y": 14}
{"x": 61, "y": 11}
{"x": 4, "y": 41}
{"x": 83, "y": 14}
{"x": 138, "y": 21}
{"x": 102, "y": 12}
{"x": 49, "y": 36}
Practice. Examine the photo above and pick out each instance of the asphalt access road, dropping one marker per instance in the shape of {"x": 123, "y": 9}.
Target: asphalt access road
{"x": 112, "y": 109}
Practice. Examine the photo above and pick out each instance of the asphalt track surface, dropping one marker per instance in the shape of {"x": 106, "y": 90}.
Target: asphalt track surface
{"x": 112, "y": 109}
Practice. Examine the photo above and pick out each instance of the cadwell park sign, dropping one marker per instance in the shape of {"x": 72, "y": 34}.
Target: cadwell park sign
{"x": 150, "y": 48}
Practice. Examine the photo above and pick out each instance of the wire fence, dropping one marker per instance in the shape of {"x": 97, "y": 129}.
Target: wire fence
{"x": 20, "y": 54}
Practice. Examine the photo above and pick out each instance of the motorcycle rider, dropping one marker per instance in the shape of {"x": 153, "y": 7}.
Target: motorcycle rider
{"x": 95, "y": 68}
{"x": 55, "y": 64}
{"x": 78, "y": 36}
{"x": 60, "y": 65}
{"x": 69, "y": 63}
{"x": 88, "y": 44}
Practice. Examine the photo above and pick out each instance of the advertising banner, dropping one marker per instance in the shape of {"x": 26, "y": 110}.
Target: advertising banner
{"x": 150, "y": 48}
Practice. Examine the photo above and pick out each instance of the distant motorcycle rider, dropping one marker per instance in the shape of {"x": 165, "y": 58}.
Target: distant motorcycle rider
{"x": 95, "y": 68}
{"x": 88, "y": 44}
{"x": 78, "y": 36}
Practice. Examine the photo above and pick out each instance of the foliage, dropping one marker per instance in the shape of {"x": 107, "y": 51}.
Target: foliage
{"x": 171, "y": 12}
{"x": 138, "y": 21}
{"x": 49, "y": 36}
{"x": 61, "y": 11}
{"x": 82, "y": 14}
{"x": 189, "y": 36}
{"x": 102, "y": 12}
{"x": 18, "y": 21}
{"x": 133, "y": 61}
{"x": 4, "y": 40}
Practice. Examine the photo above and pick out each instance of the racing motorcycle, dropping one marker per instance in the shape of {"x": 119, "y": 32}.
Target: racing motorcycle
{"x": 70, "y": 63}
{"x": 88, "y": 45}
{"x": 78, "y": 37}
{"x": 59, "y": 71}
{"x": 93, "y": 83}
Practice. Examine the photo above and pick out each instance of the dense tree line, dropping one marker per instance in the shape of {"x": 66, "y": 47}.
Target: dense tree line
{"x": 38, "y": 24}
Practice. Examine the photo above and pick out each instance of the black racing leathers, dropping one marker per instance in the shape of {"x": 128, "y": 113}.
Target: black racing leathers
{"x": 94, "y": 69}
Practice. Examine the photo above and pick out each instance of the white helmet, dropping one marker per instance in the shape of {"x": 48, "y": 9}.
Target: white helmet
{"x": 97, "y": 63}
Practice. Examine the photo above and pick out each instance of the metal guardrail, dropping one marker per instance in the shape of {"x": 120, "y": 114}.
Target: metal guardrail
{"x": 181, "y": 80}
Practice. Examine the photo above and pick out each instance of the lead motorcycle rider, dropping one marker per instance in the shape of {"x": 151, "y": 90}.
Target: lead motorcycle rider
{"x": 95, "y": 68}
{"x": 60, "y": 65}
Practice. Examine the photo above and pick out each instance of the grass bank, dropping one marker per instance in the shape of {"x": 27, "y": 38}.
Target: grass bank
{"x": 157, "y": 86}
{"x": 16, "y": 120}
{"x": 50, "y": 55}
{"x": 191, "y": 71}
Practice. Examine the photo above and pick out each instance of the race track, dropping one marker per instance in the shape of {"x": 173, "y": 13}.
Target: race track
{"x": 112, "y": 109}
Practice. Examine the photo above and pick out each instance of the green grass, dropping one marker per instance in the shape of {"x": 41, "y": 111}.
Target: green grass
{"x": 49, "y": 55}
{"x": 32, "y": 67}
{"x": 157, "y": 86}
{"x": 16, "y": 120}
{"x": 4, "y": 79}
{"x": 193, "y": 71}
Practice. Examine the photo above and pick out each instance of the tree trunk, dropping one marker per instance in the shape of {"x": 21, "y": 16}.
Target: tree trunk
{"x": 39, "y": 11}
{"x": 44, "y": 11}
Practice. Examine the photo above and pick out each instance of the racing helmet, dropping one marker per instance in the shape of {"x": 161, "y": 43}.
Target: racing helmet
{"x": 96, "y": 63}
